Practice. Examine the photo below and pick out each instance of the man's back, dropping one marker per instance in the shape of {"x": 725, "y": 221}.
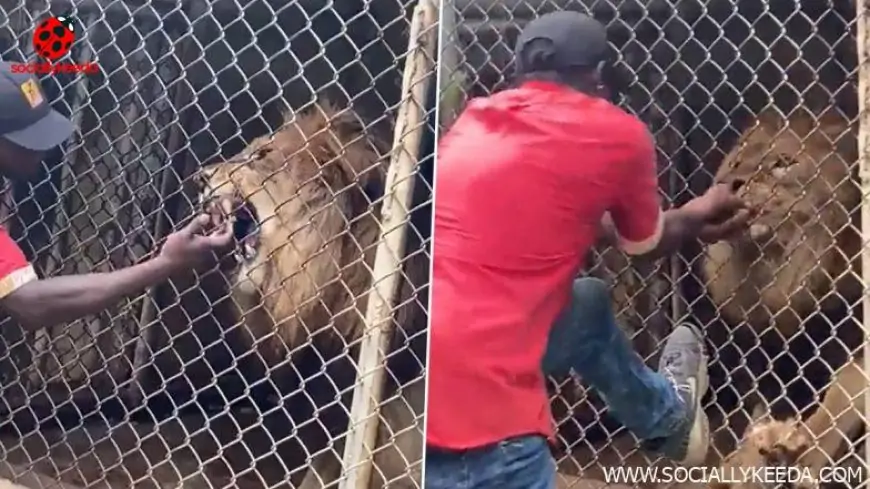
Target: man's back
{"x": 523, "y": 180}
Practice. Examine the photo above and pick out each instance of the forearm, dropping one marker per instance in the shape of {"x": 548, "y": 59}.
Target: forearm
{"x": 61, "y": 299}
{"x": 679, "y": 225}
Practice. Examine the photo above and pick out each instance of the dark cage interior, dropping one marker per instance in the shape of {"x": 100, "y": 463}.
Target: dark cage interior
{"x": 180, "y": 86}
{"x": 697, "y": 72}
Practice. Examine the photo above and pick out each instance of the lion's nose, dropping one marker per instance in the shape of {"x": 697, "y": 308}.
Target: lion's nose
{"x": 737, "y": 184}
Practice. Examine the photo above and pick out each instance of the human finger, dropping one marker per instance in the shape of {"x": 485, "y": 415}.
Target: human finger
{"x": 220, "y": 237}
{"x": 737, "y": 222}
{"x": 727, "y": 228}
{"x": 727, "y": 196}
{"x": 725, "y": 205}
{"x": 213, "y": 210}
{"x": 723, "y": 189}
{"x": 198, "y": 224}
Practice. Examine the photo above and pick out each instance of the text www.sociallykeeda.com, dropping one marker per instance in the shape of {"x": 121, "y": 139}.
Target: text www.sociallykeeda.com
{"x": 730, "y": 475}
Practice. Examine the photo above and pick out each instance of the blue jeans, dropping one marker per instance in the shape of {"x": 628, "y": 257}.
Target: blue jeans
{"x": 584, "y": 338}
{"x": 518, "y": 463}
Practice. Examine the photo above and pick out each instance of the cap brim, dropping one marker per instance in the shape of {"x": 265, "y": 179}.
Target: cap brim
{"x": 44, "y": 134}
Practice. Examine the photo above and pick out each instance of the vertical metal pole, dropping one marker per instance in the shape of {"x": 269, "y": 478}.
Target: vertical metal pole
{"x": 361, "y": 438}
{"x": 451, "y": 82}
{"x": 862, "y": 20}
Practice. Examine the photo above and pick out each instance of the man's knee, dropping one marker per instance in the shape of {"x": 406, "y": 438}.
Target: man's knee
{"x": 588, "y": 315}
{"x": 590, "y": 296}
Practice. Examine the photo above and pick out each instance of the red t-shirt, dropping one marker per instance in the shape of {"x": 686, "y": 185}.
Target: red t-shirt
{"x": 15, "y": 271}
{"x": 523, "y": 181}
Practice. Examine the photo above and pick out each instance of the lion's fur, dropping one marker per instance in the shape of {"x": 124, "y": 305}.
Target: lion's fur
{"x": 800, "y": 258}
{"x": 303, "y": 182}
{"x": 767, "y": 443}
{"x": 839, "y": 417}
{"x": 801, "y": 243}
{"x": 808, "y": 445}
{"x": 318, "y": 234}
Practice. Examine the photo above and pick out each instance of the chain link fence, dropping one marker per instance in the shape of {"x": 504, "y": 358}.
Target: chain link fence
{"x": 761, "y": 95}
{"x": 282, "y": 116}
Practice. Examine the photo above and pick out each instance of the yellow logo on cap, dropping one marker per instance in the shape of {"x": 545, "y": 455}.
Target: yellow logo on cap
{"x": 32, "y": 94}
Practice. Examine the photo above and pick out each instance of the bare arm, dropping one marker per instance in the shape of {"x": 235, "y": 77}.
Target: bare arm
{"x": 43, "y": 303}
{"x": 679, "y": 226}
{"x": 640, "y": 226}
{"x": 40, "y": 303}
{"x": 696, "y": 219}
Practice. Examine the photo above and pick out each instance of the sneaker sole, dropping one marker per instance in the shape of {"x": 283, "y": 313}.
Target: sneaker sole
{"x": 699, "y": 436}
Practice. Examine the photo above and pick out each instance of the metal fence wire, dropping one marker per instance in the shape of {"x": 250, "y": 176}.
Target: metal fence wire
{"x": 292, "y": 119}
{"x": 762, "y": 95}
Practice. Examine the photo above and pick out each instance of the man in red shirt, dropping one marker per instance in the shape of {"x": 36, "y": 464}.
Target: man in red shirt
{"x": 525, "y": 179}
{"x": 28, "y": 129}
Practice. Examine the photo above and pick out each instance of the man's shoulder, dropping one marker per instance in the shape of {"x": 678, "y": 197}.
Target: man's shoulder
{"x": 618, "y": 122}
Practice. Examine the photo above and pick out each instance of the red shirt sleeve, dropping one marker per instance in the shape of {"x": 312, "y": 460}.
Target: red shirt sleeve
{"x": 15, "y": 271}
{"x": 637, "y": 214}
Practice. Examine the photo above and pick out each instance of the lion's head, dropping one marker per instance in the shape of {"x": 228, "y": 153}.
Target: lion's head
{"x": 302, "y": 221}
{"x": 769, "y": 444}
{"x": 797, "y": 172}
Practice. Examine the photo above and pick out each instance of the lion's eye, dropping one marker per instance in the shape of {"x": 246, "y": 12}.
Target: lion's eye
{"x": 782, "y": 165}
{"x": 783, "y": 161}
{"x": 262, "y": 152}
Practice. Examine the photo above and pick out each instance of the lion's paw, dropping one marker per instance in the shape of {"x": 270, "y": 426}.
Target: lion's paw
{"x": 767, "y": 446}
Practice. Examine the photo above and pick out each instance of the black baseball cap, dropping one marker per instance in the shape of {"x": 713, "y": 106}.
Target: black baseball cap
{"x": 560, "y": 41}
{"x": 26, "y": 117}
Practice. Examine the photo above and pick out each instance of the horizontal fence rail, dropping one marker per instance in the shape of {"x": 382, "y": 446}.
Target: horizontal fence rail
{"x": 762, "y": 95}
{"x": 280, "y": 118}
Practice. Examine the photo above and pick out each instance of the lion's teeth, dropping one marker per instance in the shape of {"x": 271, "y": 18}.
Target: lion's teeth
{"x": 227, "y": 206}
{"x": 250, "y": 251}
{"x": 759, "y": 231}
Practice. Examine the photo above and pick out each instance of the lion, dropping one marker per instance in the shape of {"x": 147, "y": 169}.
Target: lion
{"x": 797, "y": 173}
{"x": 800, "y": 256}
{"x": 301, "y": 205}
{"x": 767, "y": 443}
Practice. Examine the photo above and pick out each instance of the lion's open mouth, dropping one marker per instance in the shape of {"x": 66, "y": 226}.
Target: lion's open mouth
{"x": 246, "y": 229}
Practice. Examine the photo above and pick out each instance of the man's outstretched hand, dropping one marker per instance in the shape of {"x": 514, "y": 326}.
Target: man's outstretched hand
{"x": 733, "y": 226}
{"x": 723, "y": 213}
{"x": 195, "y": 243}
